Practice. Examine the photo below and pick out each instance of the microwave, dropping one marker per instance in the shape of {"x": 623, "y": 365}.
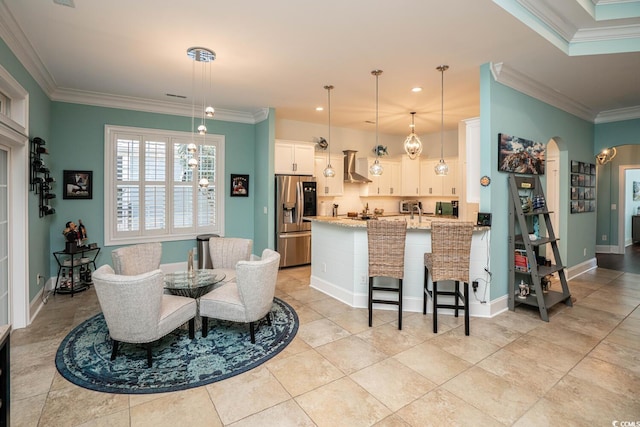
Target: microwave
{"x": 405, "y": 206}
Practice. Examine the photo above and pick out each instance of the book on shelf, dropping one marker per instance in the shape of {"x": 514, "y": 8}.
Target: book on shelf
{"x": 522, "y": 261}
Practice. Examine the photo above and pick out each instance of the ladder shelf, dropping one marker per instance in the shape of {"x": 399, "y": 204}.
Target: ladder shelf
{"x": 526, "y": 273}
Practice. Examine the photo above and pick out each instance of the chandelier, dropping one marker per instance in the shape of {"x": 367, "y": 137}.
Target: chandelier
{"x": 606, "y": 156}
{"x": 329, "y": 172}
{"x": 204, "y": 57}
{"x": 441, "y": 168}
{"x": 376, "y": 168}
{"x": 413, "y": 145}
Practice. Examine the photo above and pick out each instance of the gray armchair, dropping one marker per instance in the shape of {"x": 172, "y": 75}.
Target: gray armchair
{"x": 137, "y": 259}
{"x": 136, "y": 309}
{"x": 249, "y": 298}
{"x": 225, "y": 252}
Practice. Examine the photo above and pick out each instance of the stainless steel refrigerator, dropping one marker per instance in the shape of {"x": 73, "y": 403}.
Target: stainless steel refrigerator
{"x": 295, "y": 198}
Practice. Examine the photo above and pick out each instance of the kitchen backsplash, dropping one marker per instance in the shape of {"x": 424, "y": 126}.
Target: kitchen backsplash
{"x": 351, "y": 201}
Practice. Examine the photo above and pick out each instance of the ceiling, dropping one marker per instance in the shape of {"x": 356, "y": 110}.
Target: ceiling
{"x": 280, "y": 54}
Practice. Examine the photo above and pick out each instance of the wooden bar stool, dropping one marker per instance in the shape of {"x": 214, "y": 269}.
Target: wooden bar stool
{"x": 386, "y": 241}
{"x": 448, "y": 260}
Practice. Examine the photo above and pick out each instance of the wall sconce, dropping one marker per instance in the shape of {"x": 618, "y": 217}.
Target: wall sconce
{"x": 606, "y": 156}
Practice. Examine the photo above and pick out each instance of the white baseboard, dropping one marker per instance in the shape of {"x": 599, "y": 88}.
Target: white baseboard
{"x": 581, "y": 268}
{"x": 411, "y": 304}
{"x": 606, "y": 249}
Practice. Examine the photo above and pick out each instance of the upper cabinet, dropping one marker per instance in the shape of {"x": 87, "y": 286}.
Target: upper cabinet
{"x": 410, "y": 185}
{"x": 294, "y": 158}
{"x": 387, "y": 184}
{"x": 330, "y": 186}
{"x": 434, "y": 185}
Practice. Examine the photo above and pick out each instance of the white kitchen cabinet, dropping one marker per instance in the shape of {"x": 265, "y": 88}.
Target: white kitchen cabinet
{"x": 410, "y": 185}
{"x": 387, "y": 184}
{"x": 434, "y": 185}
{"x": 330, "y": 186}
{"x": 294, "y": 158}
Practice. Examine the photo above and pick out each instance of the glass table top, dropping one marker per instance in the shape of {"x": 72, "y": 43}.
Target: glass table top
{"x": 203, "y": 278}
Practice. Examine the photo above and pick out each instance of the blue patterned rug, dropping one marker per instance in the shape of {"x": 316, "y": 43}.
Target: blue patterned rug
{"x": 178, "y": 362}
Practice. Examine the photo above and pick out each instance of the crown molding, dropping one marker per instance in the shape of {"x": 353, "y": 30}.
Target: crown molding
{"x": 150, "y": 106}
{"x": 567, "y": 34}
{"x": 629, "y": 113}
{"x": 14, "y": 37}
{"x": 506, "y": 75}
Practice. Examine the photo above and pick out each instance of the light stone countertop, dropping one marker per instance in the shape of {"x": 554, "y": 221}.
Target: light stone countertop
{"x": 4, "y": 331}
{"x": 415, "y": 224}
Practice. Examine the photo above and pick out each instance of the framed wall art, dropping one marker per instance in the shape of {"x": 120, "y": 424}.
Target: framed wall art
{"x": 239, "y": 185}
{"x": 77, "y": 184}
{"x": 583, "y": 187}
{"x": 519, "y": 155}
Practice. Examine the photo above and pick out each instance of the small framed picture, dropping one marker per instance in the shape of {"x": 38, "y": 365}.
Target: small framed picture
{"x": 575, "y": 167}
{"x": 239, "y": 185}
{"x": 77, "y": 184}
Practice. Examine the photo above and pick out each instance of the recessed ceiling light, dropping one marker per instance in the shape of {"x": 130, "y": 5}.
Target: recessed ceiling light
{"x": 319, "y": 109}
{"x": 416, "y": 89}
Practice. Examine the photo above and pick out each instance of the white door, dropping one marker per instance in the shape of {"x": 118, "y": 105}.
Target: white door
{"x": 553, "y": 193}
{"x": 4, "y": 236}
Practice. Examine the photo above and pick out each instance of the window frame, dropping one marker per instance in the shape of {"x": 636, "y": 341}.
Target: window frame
{"x": 111, "y": 236}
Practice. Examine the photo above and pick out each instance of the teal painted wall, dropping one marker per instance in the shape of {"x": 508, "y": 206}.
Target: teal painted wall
{"x": 625, "y": 136}
{"x": 264, "y": 184}
{"x": 616, "y": 134}
{"x": 504, "y": 110}
{"x": 39, "y": 125}
{"x": 608, "y": 193}
{"x": 78, "y": 135}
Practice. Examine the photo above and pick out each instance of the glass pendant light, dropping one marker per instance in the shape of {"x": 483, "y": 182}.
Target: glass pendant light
{"x": 376, "y": 168}
{"x": 441, "y": 168}
{"x": 413, "y": 145}
{"x": 329, "y": 172}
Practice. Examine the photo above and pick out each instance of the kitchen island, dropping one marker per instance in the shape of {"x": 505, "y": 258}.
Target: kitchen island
{"x": 339, "y": 262}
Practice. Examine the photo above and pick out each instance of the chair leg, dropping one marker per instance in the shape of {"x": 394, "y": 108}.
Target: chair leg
{"x": 400, "y": 305}
{"x": 435, "y": 307}
{"x": 269, "y": 318}
{"x": 457, "y": 297}
{"x": 370, "y": 301}
{"x": 149, "y": 359}
{"x": 114, "y": 349}
{"x": 466, "y": 308}
{"x": 424, "y": 292}
{"x": 192, "y": 328}
{"x": 205, "y": 327}
{"x": 252, "y": 331}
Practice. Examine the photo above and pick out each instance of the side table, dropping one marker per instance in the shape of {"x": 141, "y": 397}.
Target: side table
{"x": 68, "y": 262}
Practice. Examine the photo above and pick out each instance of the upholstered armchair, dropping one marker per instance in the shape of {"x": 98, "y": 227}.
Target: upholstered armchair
{"x": 247, "y": 299}
{"x": 137, "y": 259}
{"x": 225, "y": 252}
{"x": 136, "y": 309}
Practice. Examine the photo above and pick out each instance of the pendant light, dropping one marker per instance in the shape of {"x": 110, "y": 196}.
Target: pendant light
{"x": 329, "y": 172}
{"x": 205, "y": 57}
{"x": 441, "y": 168}
{"x": 413, "y": 145}
{"x": 376, "y": 168}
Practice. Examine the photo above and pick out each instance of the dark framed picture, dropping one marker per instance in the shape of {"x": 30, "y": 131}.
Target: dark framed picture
{"x": 519, "y": 155}
{"x": 77, "y": 184}
{"x": 239, "y": 185}
{"x": 575, "y": 167}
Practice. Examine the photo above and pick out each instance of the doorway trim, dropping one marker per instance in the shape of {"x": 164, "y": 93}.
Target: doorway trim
{"x": 622, "y": 185}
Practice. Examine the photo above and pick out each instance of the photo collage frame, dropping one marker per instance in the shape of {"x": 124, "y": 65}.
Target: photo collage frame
{"x": 583, "y": 187}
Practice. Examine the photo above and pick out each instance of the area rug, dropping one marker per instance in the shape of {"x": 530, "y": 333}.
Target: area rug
{"x": 179, "y": 363}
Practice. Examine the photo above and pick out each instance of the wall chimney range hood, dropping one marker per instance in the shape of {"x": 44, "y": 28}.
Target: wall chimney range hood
{"x": 350, "y": 174}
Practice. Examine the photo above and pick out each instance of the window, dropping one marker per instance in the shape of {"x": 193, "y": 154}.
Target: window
{"x": 151, "y": 193}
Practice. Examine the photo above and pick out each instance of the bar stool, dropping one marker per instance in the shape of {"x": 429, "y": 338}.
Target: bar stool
{"x": 448, "y": 260}
{"x": 386, "y": 240}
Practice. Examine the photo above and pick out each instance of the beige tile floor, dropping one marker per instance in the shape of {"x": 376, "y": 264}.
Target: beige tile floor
{"x": 581, "y": 368}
